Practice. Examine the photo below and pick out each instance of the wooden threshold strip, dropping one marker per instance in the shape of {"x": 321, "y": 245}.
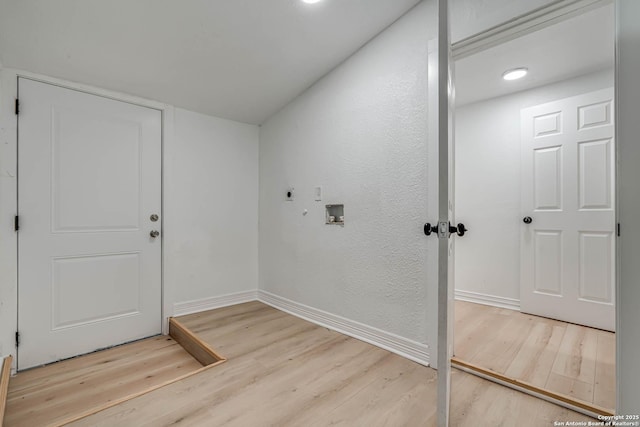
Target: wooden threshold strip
{"x": 5, "y": 373}
{"x": 197, "y": 348}
{"x": 134, "y": 395}
{"x": 559, "y": 399}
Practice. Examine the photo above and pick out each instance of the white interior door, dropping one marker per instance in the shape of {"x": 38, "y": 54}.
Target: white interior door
{"x": 567, "y": 249}
{"x": 89, "y": 181}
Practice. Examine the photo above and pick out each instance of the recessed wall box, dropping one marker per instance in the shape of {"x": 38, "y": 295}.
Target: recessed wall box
{"x": 334, "y": 214}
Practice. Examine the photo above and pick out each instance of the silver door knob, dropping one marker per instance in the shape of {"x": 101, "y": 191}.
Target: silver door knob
{"x": 154, "y": 233}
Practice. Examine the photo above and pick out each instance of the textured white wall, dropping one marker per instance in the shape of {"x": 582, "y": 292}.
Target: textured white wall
{"x": 211, "y": 207}
{"x": 360, "y": 133}
{"x": 488, "y": 184}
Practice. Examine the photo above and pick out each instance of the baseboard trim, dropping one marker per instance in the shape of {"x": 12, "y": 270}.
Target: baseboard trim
{"x": 204, "y": 304}
{"x": 484, "y": 299}
{"x": 404, "y": 347}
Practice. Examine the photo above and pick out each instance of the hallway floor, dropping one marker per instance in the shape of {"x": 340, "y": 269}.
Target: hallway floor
{"x": 561, "y": 357}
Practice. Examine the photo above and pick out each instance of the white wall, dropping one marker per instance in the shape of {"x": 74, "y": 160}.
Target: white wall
{"x": 361, "y": 134}
{"x": 628, "y": 134}
{"x": 488, "y": 185}
{"x": 211, "y": 207}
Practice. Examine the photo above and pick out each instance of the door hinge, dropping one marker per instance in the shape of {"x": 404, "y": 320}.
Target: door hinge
{"x": 16, "y": 223}
{"x": 17, "y": 106}
{"x": 618, "y": 229}
{"x": 17, "y": 339}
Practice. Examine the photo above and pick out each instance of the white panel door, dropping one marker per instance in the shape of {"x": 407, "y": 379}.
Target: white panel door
{"x": 89, "y": 181}
{"x": 568, "y": 255}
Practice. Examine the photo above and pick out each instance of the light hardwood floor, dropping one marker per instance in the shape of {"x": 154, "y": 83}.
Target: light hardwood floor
{"x": 284, "y": 371}
{"x": 568, "y": 359}
{"x": 60, "y": 391}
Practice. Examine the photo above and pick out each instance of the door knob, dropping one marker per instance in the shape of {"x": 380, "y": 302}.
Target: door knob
{"x": 428, "y": 229}
{"x": 527, "y": 220}
{"x": 460, "y": 230}
{"x": 154, "y": 233}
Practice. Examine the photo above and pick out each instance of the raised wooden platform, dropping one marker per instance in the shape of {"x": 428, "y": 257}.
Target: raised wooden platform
{"x": 70, "y": 390}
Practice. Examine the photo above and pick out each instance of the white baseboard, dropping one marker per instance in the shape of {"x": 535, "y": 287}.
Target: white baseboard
{"x": 492, "y": 300}
{"x": 196, "y": 306}
{"x": 396, "y": 344}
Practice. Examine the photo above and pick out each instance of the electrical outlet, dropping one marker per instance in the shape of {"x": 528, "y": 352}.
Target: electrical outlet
{"x": 318, "y": 193}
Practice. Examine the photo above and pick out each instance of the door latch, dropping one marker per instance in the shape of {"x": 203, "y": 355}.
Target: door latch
{"x": 444, "y": 229}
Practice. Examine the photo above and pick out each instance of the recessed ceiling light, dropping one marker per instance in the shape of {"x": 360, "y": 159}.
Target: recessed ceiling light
{"x": 311, "y": 1}
{"x": 515, "y": 74}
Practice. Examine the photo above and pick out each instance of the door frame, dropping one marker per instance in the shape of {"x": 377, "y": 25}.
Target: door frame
{"x": 441, "y": 108}
{"x": 535, "y": 20}
{"x": 9, "y": 192}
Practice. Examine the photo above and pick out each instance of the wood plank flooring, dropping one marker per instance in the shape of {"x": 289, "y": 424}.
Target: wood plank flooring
{"x": 60, "y": 391}
{"x": 283, "y": 371}
{"x": 564, "y": 358}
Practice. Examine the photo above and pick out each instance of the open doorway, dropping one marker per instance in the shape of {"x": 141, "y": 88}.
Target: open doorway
{"x": 534, "y": 279}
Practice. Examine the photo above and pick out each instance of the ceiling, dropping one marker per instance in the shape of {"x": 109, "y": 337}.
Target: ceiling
{"x": 237, "y": 59}
{"x": 568, "y": 49}
{"x": 246, "y": 59}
